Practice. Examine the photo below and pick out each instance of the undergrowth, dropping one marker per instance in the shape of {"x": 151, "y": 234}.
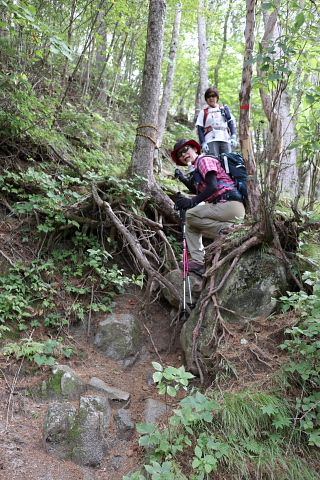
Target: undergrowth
{"x": 246, "y": 435}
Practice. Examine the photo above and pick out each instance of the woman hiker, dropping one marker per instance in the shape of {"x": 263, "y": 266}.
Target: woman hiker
{"x": 217, "y": 202}
{"x": 216, "y": 127}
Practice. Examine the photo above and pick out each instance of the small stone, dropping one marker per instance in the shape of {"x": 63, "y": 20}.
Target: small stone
{"x": 243, "y": 341}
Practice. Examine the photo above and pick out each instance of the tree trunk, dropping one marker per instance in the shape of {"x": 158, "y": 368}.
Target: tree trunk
{"x": 244, "y": 127}
{"x": 288, "y": 169}
{"x": 224, "y": 45}
{"x": 270, "y": 103}
{"x": 146, "y": 139}
{"x": 167, "y": 90}
{"x": 203, "y": 55}
{"x": 70, "y": 32}
{"x": 283, "y": 174}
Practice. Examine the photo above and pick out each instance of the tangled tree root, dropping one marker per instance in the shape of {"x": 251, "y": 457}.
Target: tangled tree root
{"x": 143, "y": 239}
{"x": 220, "y": 253}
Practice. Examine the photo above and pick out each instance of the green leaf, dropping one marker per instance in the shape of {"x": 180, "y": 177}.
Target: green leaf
{"x": 310, "y": 98}
{"x": 198, "y": 451}
{"x": 157, "y": 366}
{"x": 300, "y": 19}
{"x": 269, "y": 409}
{"x": 274, "y": 76}
{"x": 145, "y": 427}
{"x": 171, "y": 391}
{"x": 157, "y": 376}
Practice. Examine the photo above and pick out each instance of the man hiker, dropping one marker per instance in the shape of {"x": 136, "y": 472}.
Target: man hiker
{"x": 217, "y": 202}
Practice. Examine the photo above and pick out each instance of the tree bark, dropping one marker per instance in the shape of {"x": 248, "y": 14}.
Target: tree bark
{"x": 244, "y": 127}
{"x": 70, "y": 32}
{"x": 203, "y": 56}
{"x": 283, "y": 174}
{"x": 146, "y": 139}
{"x": 224, "y": 45}
{"x": 167, "y": 90}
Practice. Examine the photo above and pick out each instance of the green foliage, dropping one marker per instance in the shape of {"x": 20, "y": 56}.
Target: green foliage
{"x": 25, "y": 16}
{"x": 231, "y": 434}
{"x": 127, "y": 190}
{"x": 304, "y": 349}
{"x": 30, "y": 295}
{"x": 38, "y": 352}
{"x": 170, "y": 379}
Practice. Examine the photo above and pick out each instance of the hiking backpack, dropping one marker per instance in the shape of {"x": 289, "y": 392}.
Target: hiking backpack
{"x": 234, "y": 164}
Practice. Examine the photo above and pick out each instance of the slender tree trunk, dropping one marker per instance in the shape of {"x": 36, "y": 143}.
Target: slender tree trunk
{"x": 288, "y": 170}
{"x": 146, "y": 139}
{"x": 70, "y": 31}
{"x": 99, "y": 81}
{"x": 245, "y": 100}
{"x": 167, "y": 90}
{"x": 224, "y": 45}
{"x": 4, "y": 18}
{"x": 271, "y": 106}
{"x": 203, "y": 56}
{"x": 283, "y": 173}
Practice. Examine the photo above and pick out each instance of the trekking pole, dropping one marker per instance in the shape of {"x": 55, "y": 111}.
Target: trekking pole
{"x": 186, "y": 274}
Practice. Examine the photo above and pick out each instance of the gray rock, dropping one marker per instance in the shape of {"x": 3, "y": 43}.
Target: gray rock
{"x": 118, "y": 337}
{"x": 176, "y": 278}
{"x": 79, "y": 437}
{"x": 115, "y": 396}
{"x": 94, "y": 418}
{"x": 125, "y": 426}
{"x": 60, "y": 427}
{"x": 154, "y": 409}
{"x": 254, "y": 286}
{"x": 251, "y": 290}
{"x": 63, "y": 384}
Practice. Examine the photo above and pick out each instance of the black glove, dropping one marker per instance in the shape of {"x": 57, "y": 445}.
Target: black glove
{"x": 182, "y": 203}
{"x": 178, "y": 174}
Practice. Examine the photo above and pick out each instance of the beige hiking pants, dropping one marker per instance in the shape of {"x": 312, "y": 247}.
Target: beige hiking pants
{"x": 208, "y": 220}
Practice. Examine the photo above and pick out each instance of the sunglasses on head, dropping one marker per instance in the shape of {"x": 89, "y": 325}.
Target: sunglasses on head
{"x": 212, "y": 95}
{"x": 182, "y": 151}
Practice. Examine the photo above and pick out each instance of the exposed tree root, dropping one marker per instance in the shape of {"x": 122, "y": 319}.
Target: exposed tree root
{"x": 220, "y": 330}
{"x": 255, "y": 240}
{"x": 138, "y": 242}
{"x": 262, "y": 356}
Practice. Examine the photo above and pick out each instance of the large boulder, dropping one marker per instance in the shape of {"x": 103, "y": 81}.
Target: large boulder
{"x": 79, "y": 437}
{"x": 176, "y": 278}
{"x": 253, "y": 287}
{"x": 63, "y": 384}
{"x": 94, "y": 420}
{"x": 251, "y": 290}
{"x": 118, "y": 338}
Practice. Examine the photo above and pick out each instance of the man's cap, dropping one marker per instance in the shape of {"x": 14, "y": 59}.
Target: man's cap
{"x": 181, "y": 144}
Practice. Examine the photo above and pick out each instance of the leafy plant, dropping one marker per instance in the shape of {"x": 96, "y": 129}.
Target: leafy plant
{"x": 219, "y": 432}
{"x": 304, "y": 349}
{"x": 38, "y": 352}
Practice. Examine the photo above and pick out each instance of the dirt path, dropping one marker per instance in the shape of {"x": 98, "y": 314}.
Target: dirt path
{"x": 22, "y": 453}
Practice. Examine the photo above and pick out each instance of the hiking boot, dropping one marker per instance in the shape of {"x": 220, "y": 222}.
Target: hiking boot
{"x": 227, "y": 230}
{"x": 194, "y": 267}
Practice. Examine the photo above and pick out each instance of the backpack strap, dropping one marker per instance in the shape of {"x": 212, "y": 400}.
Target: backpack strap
{"x": 205, "y": 115}
{"x": 228, "y": 114}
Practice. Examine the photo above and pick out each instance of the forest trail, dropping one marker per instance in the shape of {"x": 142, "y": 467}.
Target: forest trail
{"x": 22, "y": 453}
